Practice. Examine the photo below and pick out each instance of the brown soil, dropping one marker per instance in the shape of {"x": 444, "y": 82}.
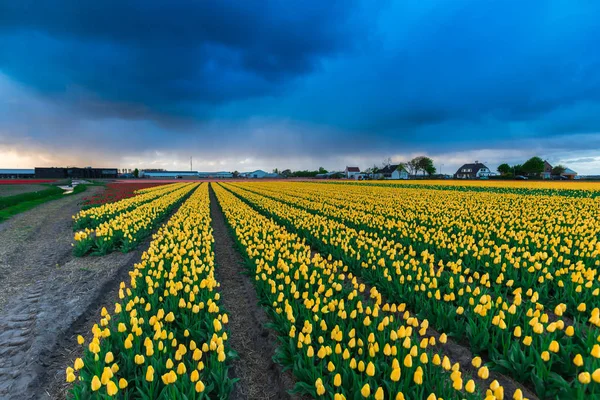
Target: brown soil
{"x": 44, "y": 291}
{"x": 260, "y": 377}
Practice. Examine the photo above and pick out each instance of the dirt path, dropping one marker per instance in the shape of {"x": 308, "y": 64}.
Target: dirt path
{"x": 260, "y": 377}
{"x": 44, "y": 290}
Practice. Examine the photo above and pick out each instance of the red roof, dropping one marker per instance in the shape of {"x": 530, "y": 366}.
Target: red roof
{"x": 352, "y": 169}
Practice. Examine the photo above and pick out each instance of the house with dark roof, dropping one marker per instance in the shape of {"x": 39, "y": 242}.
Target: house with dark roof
{"x": 475, "y": 170}
{"x": 386, "y": 172}
{"x": 351, "y": 172}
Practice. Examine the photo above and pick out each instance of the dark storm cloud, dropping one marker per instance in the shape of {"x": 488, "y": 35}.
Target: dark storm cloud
{"x": 320, "y": 79}
{"x": 170, "y": 56}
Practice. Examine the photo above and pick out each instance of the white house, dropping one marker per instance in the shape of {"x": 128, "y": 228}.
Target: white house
{"x": 399, "y": 174}
{"x": 351, "y": 172}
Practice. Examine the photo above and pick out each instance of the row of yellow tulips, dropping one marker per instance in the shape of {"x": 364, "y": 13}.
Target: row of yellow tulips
{"x": 165, "y": 337}
{"x": 127, "y": 229}
{"x": 92, "y": 217}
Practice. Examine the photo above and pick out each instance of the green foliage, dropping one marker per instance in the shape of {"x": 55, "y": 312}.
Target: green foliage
{"x": 9, "y": 206}
{"x": 426, "y": 165}
{"x": 534, "y": 166}
{"x": 504, "y": 169}
{"x": 401, "y": 167}
{"x": 304, "y": 174}
{"x": 136, "y": 173}
{"x": 558, "y": 170}
{"x": 10, "y": 201}
{"x": 421, "y": 163}
{"x": 518, "y": 169}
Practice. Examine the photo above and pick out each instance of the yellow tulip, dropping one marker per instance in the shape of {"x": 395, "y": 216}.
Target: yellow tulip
{"x": 96, "y": 384}
{"x": 370, "y": 369}
{"x": 584, "y": 378}
{"x": 150, "y": 373}
{"x": 418, "y": 376}
{"x": 111, "y": 388}
{"x": 366, "y": 390}
{"x": 337, "y": 380}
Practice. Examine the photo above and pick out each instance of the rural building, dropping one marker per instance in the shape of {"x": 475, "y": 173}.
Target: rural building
{"x": 385, "y": 172}
{"x": 351, "y": 172}
{"x": 569, "y": 173}
{"x": 547, "y": 173}
{"x": 17, "y": 173}
{"x": 399, "y": 174}
{"x": 169, "y": 174}
{"x": 75, "y": 173}
{"x": 259, "y": 173}
{"x": 476, "y": 170}
{"x": 217, "y": 175}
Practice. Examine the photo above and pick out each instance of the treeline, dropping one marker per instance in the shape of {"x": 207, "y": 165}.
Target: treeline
{"x": 535, "y": 166}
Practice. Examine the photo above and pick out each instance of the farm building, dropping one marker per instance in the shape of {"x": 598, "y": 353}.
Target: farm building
{"x": 169, "y": 174}
{"x": 472, "y": 171}
{"x": 385, "y": 172}
{"x": 74, "y": 172}
{"x": 547, "y": 174}
{"x": 351, "y": 172}
{"x": 569, "y": 173}
{"x": 218, "y": 174}
{"x": 17, "y": 173}
{"x": 259, "y": 173}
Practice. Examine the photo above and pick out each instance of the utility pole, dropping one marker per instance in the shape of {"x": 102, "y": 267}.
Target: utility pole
{"x": 190, "y": 163}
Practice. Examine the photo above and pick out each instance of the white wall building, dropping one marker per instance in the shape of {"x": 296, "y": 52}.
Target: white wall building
{"x": 352, "y": 172}
{"x": 399, "y": 174}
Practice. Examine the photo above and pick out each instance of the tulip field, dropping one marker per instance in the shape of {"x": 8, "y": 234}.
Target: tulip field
{"x": 374, "y": 290}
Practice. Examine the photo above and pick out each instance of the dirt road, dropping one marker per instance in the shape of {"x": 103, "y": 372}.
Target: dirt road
{"x": 44, "y": 291}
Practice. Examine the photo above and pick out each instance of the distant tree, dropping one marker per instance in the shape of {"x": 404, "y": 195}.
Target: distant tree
{"x": 322, "y": 170}
{"x": 136, "y": 173}
{"x": 304, "y": 174}
{"x": 534, "y": 166}
{"x": 413, "y": 166}
{"x": 518, "y": 169}
{"x": 387, "y": 162}
{"x": 425, "y": 164}
{"x": 235, "y": 174}
{"x": 558, "y": 170}
{"x": 374, "y": 170}
{"x": 275, "y": 171}
{"x": 504, "y": 169}
{"x": 401, "y": 167}
{"x": 286, "y": 172}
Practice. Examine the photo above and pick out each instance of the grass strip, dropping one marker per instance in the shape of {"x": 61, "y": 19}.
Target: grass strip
{"x": 12, "y": 207}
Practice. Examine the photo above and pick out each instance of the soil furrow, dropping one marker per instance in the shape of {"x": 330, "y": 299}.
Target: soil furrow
{"x": 260, "y": 377}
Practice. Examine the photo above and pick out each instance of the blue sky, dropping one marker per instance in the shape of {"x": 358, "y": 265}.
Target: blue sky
{"x": 244, "y": 85}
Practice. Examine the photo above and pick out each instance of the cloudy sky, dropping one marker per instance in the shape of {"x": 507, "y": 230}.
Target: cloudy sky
{"x": 241, "y": 85}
